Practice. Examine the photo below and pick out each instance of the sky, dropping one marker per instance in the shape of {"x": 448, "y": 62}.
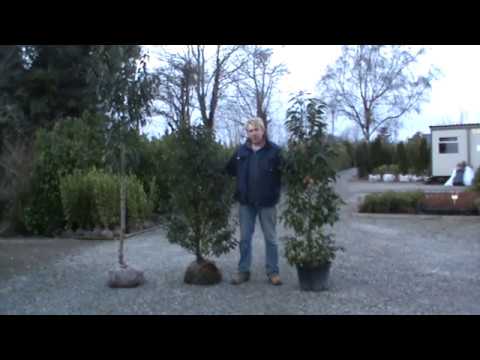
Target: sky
{"x": 453, "y": 99}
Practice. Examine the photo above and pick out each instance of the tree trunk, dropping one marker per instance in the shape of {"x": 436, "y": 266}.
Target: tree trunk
{"x": 198, "y": 253}
{"x": 122, "y": 208}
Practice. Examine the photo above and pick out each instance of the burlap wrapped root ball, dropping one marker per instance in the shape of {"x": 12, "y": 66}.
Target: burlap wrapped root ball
{"x": 126, "y": 277}
{"x": 204, "y": 272}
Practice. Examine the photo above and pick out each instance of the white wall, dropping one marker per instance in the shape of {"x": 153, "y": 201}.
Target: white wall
{"x": 444, "y": 164}
{"x": 475, "y": 148}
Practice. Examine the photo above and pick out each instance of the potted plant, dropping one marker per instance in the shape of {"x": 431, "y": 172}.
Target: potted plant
{"x": 311, "y": 202}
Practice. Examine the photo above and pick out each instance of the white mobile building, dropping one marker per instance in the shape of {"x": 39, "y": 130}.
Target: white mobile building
{"x": 452, "y": 144}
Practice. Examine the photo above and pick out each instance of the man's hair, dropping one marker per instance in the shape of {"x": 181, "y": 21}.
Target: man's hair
{"x": 256, "y": 122}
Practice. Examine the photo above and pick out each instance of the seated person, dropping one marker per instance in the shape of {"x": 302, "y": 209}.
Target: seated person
{"x": 461, "y": 176}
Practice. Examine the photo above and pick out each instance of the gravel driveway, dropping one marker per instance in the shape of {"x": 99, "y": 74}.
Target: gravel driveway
{"x": 391, "y": 265}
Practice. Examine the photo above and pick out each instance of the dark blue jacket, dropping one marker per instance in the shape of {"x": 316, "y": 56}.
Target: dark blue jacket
{"x": 268, "y": 168}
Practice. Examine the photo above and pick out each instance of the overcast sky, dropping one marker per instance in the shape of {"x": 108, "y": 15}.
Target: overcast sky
{"x": 453, "y": 94}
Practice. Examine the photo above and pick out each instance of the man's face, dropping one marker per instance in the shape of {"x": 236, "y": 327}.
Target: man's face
{"x": 255, "y": 134}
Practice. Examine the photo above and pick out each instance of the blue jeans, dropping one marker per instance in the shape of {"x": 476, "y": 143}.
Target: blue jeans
{"x": 268, "y": 221}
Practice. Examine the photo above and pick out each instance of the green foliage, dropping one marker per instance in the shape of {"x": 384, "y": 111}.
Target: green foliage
{"x": 138, "y": 208}
{"x": 47, "y": 83}
{"x": 387, "y": 169}
{"x": 150, "y": 161}
{"x": 401, "y": 158}
{"x": 53, "y": 89}
{"x": 343, "y": 158}
{"x": 16, "y": 161}
{"x": 106, "y": 194}
{"x": 312, "y": 253}
{"x": 362, "y": 159}
{"x": 350, "y": 150}
{"x": 424, "y": 157}
{"x": 311, "y": 201}
{"x": 476, "y": 180}
{"x": 418, "y": 152}
{"x": 381, "y": 152}
{"x": 74, "y": 143}
{"x": 391, "y": 202}
{"x": 92, "y": 199}
{"x": 376, "y": 158}
{"x": 78, "y": 200}
{"x": 201, "y": 193}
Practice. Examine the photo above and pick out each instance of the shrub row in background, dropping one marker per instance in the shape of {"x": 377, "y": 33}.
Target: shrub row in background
{"x": 92, "y": 200}
{"x": 391, "y": 202}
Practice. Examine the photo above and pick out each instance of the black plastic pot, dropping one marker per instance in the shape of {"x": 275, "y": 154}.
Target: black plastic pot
{"x": 314, "y": 278}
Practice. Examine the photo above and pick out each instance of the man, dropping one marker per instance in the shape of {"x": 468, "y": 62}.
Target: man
{"x": 256, "y": 166}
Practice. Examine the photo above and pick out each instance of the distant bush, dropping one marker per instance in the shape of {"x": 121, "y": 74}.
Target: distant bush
{"x": 387, "y": 169}
{"x": 138, "y": 207}
{"x": 77, "y": 198}
{"x": 343, "y": 158}
{"x": 391, "y": 202}
{"x": 476, "y": 180}
{"x": 92, "y": 199}
{"x": 72, "y": 144}
{"x": 362, "y": 160}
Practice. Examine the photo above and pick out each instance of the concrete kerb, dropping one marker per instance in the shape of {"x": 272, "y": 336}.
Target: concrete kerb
{"x": 153, "y": 228}
{"x": 473, "y": 218}
{"x": 127, "y": 236}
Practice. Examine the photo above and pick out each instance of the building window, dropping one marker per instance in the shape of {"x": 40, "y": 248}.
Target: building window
{"x": 448, "y": 139}
{"x": 448, "y": 148}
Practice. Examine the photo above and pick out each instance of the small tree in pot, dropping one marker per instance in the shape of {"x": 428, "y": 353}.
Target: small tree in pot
{"x": 201, "y": 201}
{"x": 311, "y": 201}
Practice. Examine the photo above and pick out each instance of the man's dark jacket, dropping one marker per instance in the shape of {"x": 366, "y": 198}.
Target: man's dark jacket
{"x": 258, "y": 174}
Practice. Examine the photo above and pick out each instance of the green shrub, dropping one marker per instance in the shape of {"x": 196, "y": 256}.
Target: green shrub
{"x": 73, "y": 143}
{"x": 152, "y": 196}
{"x": 106, "y": 191}
{"x": 201, "y": 194}
{"x": 391, "y": 202}
{"x": 16, "y": 160}
{"x": 163, "y": 150}
{"x": 343, "y": 157}
{"x": 92, "y": 199}
{"x": 362, "y": 159}
{"x": 476, "y": 180}
{"x": 394, "y": 169}
{"x": 138, "y": 209}
{"x": 380, "y": 170}
{"x": 401, "y": 158}
{"x": 387, "y": 169}
{"x": 78, "y": 200}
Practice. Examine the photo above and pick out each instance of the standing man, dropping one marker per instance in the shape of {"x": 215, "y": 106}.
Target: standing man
{"x": 256, "y": 166}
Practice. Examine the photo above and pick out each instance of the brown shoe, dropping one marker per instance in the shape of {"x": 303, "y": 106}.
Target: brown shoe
{"x": 275, "y": 280}
{"x": 240, "y": 278}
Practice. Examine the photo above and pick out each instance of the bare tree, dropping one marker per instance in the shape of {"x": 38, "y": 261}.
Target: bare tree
{"x": 176, "y": 93}
{"x": 213, "y": 76}
{"x": 256, "y": 82}
{"x": 375, "y": 85}
{"x": 229, "y": 125}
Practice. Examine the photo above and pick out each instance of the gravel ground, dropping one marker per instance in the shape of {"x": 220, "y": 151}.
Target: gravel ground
{"x": 392, "y": 265}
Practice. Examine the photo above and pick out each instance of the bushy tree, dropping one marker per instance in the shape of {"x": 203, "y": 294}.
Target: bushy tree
{"x": 311, "y": 202}
{"x": 401, "y": 158}
{"x": 201, "y": 197}
{"x": 362, "y": 159}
